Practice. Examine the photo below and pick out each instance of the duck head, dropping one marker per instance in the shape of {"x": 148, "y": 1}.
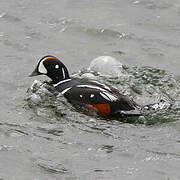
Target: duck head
{"x": 52, "y": 67}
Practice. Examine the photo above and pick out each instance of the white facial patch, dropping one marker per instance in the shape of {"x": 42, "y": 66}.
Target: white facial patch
{"x": 56, "y": 66}
{"x": 80, "y": 95}
{"x": 41, "y": 68}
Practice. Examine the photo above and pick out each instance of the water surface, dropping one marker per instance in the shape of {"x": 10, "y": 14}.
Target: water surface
{"x": 43, "y": 142}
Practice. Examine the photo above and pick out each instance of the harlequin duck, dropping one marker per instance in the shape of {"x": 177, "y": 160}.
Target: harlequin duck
{"x": 93, "y": 97}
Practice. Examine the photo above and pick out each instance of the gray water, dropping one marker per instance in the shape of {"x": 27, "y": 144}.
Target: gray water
{"x": 50, "y": 142}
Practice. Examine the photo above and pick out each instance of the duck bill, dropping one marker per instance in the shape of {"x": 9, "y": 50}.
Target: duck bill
{"x": 34, "y": 73}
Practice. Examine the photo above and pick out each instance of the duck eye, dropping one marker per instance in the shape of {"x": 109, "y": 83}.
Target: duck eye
{"x": 56, "y": 66}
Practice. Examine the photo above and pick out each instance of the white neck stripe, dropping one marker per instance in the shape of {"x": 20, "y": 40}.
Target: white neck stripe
{"x": 63, "y": 73}
{"x": 66, "y": 80}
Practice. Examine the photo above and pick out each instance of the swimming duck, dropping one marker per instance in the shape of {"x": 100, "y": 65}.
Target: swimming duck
{"x": 92, "y": 96}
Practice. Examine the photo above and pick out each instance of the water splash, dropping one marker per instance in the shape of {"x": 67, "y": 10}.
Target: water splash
{"x": 156, "y": 91}
{"x": 106, "y": 66}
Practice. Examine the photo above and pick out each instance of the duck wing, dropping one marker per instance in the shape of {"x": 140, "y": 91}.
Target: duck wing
{"x": 107, "y": 100}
